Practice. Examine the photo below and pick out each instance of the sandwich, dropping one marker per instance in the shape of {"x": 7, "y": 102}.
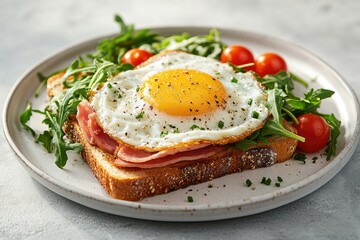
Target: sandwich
{"x": 172, "y": 122}
{"x": 153, "y": 114}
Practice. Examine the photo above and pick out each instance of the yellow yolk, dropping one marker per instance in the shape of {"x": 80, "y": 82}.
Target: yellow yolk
{"x": 182, "y": 92}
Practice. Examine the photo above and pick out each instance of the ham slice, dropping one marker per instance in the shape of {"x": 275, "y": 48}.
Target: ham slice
{"x": 92, "y": 130}
{"x": 170, "y": 159}
{"x": 130, "y": 157}
{"x": 99, "y": 137}
{"x": 140, "y": 156}
{"x": 82, "y": 116}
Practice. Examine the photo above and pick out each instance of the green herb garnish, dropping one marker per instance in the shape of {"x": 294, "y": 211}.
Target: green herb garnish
{"x": 196, "y": 127}
{"x": 300, "y": 157}
{"x": 140, "y": 115}
{"x": 248, "y": 183}
{"x": 221, "y": 124}
{"x": 266, "y": 181}
{"x": 164, "y": 133}
{"x": 255, "y": 114}
{"x": 190, "y": 199}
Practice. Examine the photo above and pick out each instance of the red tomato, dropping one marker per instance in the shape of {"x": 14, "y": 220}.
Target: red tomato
{"x": 136, "y": 56}
{"x": 237, "y": 55}
{"x": 315, "y": 130}
{"x": 269, "y": 63}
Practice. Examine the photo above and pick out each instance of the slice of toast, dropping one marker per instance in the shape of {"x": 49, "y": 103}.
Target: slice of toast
{"x": 135, "y": 184}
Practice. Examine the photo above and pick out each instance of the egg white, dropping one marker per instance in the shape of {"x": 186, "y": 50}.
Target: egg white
{"x": 130, "y": 120}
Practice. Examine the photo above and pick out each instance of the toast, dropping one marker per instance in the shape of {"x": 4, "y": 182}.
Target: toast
{"x": 134, "y": 184}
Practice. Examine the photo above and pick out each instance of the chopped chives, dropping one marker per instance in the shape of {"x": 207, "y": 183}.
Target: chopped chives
{"x": 300, "y": 157}
{"x": 163, "y": 133}
{"x": 194, "y": 127}
{"x": 248, "y": 183}
{"x": 255, "y": 114}
{"x": 266, "y": 181}
{"x": 140, "y": 115}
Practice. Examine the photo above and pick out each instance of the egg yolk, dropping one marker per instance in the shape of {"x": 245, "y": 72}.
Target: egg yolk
{"x": 182, "y": 92}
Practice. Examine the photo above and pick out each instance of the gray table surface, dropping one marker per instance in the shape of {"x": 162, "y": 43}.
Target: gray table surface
{"x": 32, "y": 30}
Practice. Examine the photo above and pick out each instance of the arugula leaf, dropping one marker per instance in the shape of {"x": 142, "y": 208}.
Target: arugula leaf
{"x": 275, "y": 103}
{"x": 43, "y": 80}
{"x": 309, "y": 104}
{"x": 282, "y": 80}
{"x": 272, "y": 127}
{"x": 206, "y": 46}
{"x": 25, "y": 117}
{"x": 334, "y": 125}
{"x": 45, "y": 140}
{"x": 299, "y": 80}
{"x": 237, "y": 68}
{"x": 112, "y": 49}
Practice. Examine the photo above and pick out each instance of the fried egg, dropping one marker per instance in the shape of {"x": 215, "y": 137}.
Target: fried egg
{"x": 178, "y": 99}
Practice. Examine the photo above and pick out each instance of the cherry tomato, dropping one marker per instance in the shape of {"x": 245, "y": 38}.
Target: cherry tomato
{"x": 315, "y": 130}
{"x": 269, "y": 63}
{"x": 237, "y": 55}
{"x": 136, "y": 56}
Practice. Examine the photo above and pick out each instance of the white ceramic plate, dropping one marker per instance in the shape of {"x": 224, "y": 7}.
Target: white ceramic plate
{"x": 222, "y": 198}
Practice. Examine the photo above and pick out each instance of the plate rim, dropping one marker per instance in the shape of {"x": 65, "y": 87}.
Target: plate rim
{"x": 40, "y": 176}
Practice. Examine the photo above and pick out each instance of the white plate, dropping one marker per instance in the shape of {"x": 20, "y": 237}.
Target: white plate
{"x": 222, "y": 198}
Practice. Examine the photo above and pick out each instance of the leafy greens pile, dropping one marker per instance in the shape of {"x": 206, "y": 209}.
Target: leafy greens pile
{"x": 282, "y": 103}
{"x": 82, "y": 76}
